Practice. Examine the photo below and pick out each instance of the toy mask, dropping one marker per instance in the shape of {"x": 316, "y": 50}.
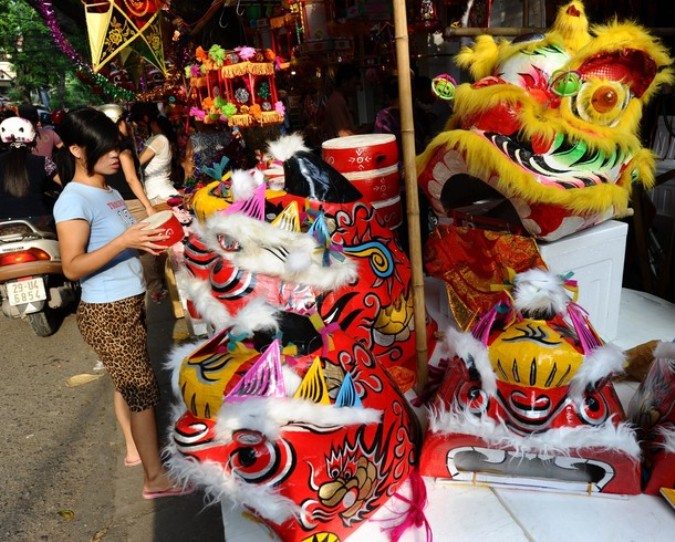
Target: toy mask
{"x": 550, "y": 124}
{"x": 527, "y": 400}
{"x": 307, "y": 432}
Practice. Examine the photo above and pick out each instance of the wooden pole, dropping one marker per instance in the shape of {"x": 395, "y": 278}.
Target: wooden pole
{"x": 410, "y": 172}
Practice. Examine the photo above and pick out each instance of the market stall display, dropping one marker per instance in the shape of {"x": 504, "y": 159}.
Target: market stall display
{"x": 296, "y": 406}
{"x": 313, "y": 246}
{"x": 237, "y": 87}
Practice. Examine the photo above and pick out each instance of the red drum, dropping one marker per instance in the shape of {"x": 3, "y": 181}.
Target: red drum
{"x": 389, "y": 212}
{"x": 378, "y": 184}
{"x": 360, "y": 153}
{"x": 167, "y": 221}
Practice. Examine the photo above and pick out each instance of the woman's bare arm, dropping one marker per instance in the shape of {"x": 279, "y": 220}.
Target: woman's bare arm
{"x": 127, "y": 162}
{"x": 77, "y": 262}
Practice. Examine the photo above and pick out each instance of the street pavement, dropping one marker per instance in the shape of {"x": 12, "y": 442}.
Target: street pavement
{"x": 62, "y": 475}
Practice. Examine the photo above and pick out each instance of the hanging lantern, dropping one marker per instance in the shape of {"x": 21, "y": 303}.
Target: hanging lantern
{"x": 423, "y": 16}
{"x": 427, "y": 10}
{"x": 314, "y": 19}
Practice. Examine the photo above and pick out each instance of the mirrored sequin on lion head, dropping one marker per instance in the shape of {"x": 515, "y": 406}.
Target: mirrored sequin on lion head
{"x": 550, "y": 124}
{"x": 314, "y": 246}
{"x": 527, "y": 395}
{"x": 299, "y": 425}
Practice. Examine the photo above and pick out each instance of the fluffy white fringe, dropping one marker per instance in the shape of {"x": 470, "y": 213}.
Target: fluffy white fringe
{"x": 174, "y": 362}
{"x": 552, "y": 442}
{"x": 222, "y": 486}
{"x": 462, "y": 344}
{"x": 209, "y": 308}
{"x": 539, "y": 292}
{"x": 245, "y": 182}
{"x": 267, "y": 249}
{"x": 256, "y": 315}
{"x": 665, "y": 350}
{"x": 292, "y": 380}
{"x": 668, "y": 436}
{"x": 602, "y": 362}
{"x": 286, "y": 146}
{"x": 269, "y": 415}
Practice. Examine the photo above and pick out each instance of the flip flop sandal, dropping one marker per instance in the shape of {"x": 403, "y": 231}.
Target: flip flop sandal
{"x": 171, "y": 492}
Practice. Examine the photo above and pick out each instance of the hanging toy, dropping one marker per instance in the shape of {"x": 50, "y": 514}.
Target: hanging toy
{"x": 443, "y": 86}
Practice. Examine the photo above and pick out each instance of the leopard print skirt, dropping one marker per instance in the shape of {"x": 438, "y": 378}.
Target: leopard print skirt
{"x": 118, "y": 334}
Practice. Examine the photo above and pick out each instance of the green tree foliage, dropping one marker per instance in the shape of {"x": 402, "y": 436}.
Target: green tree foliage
{"x": 38, "y": 62}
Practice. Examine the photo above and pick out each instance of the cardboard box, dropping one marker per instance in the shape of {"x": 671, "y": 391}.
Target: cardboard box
{"x": 596, "y": 258}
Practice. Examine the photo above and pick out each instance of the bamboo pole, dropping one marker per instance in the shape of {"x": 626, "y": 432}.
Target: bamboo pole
{"x": 410, "y": 171}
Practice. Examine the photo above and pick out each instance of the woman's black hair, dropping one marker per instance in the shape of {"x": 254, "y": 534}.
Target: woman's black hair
{"x": 15, "y": 179}
{"x": 89, "y": 129}
{"x": 166, "y": 127}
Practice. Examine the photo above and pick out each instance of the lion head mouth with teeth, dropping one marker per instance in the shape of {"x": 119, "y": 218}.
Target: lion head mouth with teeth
{"x": 550, "y": 124}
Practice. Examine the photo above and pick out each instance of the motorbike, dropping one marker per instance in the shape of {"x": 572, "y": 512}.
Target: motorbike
{"x": 32, "y": 284}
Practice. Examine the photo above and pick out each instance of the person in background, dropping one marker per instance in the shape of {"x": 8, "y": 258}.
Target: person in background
{"x": 339, "y": 120}
{"x": 99, "y": 242}
{"x": 46, "y": 142}
{"x": 125, "y": 180}
{"x": 6, "y": 112}
{"x": 388, "y": 121}
{"x": 23, "y": 181}
{"x": 157, "y": 161}
{"x": 426, "y": 119}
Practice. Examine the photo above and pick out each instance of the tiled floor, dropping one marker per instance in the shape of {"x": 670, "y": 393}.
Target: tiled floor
{"x": 464, "y": 513}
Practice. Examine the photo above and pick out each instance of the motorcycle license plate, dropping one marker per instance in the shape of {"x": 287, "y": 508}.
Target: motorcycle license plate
{"x": 26, "y": 291}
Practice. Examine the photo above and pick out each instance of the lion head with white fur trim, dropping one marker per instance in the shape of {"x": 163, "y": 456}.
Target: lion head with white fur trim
{"x": 551, "y": 124}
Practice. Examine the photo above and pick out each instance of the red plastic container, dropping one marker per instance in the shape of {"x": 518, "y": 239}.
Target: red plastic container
{"x": 359, "y": 153}
{"x": 167, "y": 221}
{"x": 377, "y": 184}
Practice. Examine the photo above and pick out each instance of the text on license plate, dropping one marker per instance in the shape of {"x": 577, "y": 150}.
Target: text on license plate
{"x": 26, "y": 291}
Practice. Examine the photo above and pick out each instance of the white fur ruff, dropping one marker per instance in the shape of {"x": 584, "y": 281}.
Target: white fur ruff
{"x": 174, "y": 362}
{"x": 267, "y": 250}
{"x": 665, "y": 350}
{"x": 222, "y": 486}
{"x": 286, "y": 146}
{"x": 256, "y": 315}
{"x": 602, "y": 362}
{"x": 209, "y": 308}
{"x": 466, "y": 345}
{"x": 270, "y": 415}
{"x": 244, "y": 184}
{"x": 552, "y": 442}
{"x": 668, "y": 436}
{"x": 538, "y": 291}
